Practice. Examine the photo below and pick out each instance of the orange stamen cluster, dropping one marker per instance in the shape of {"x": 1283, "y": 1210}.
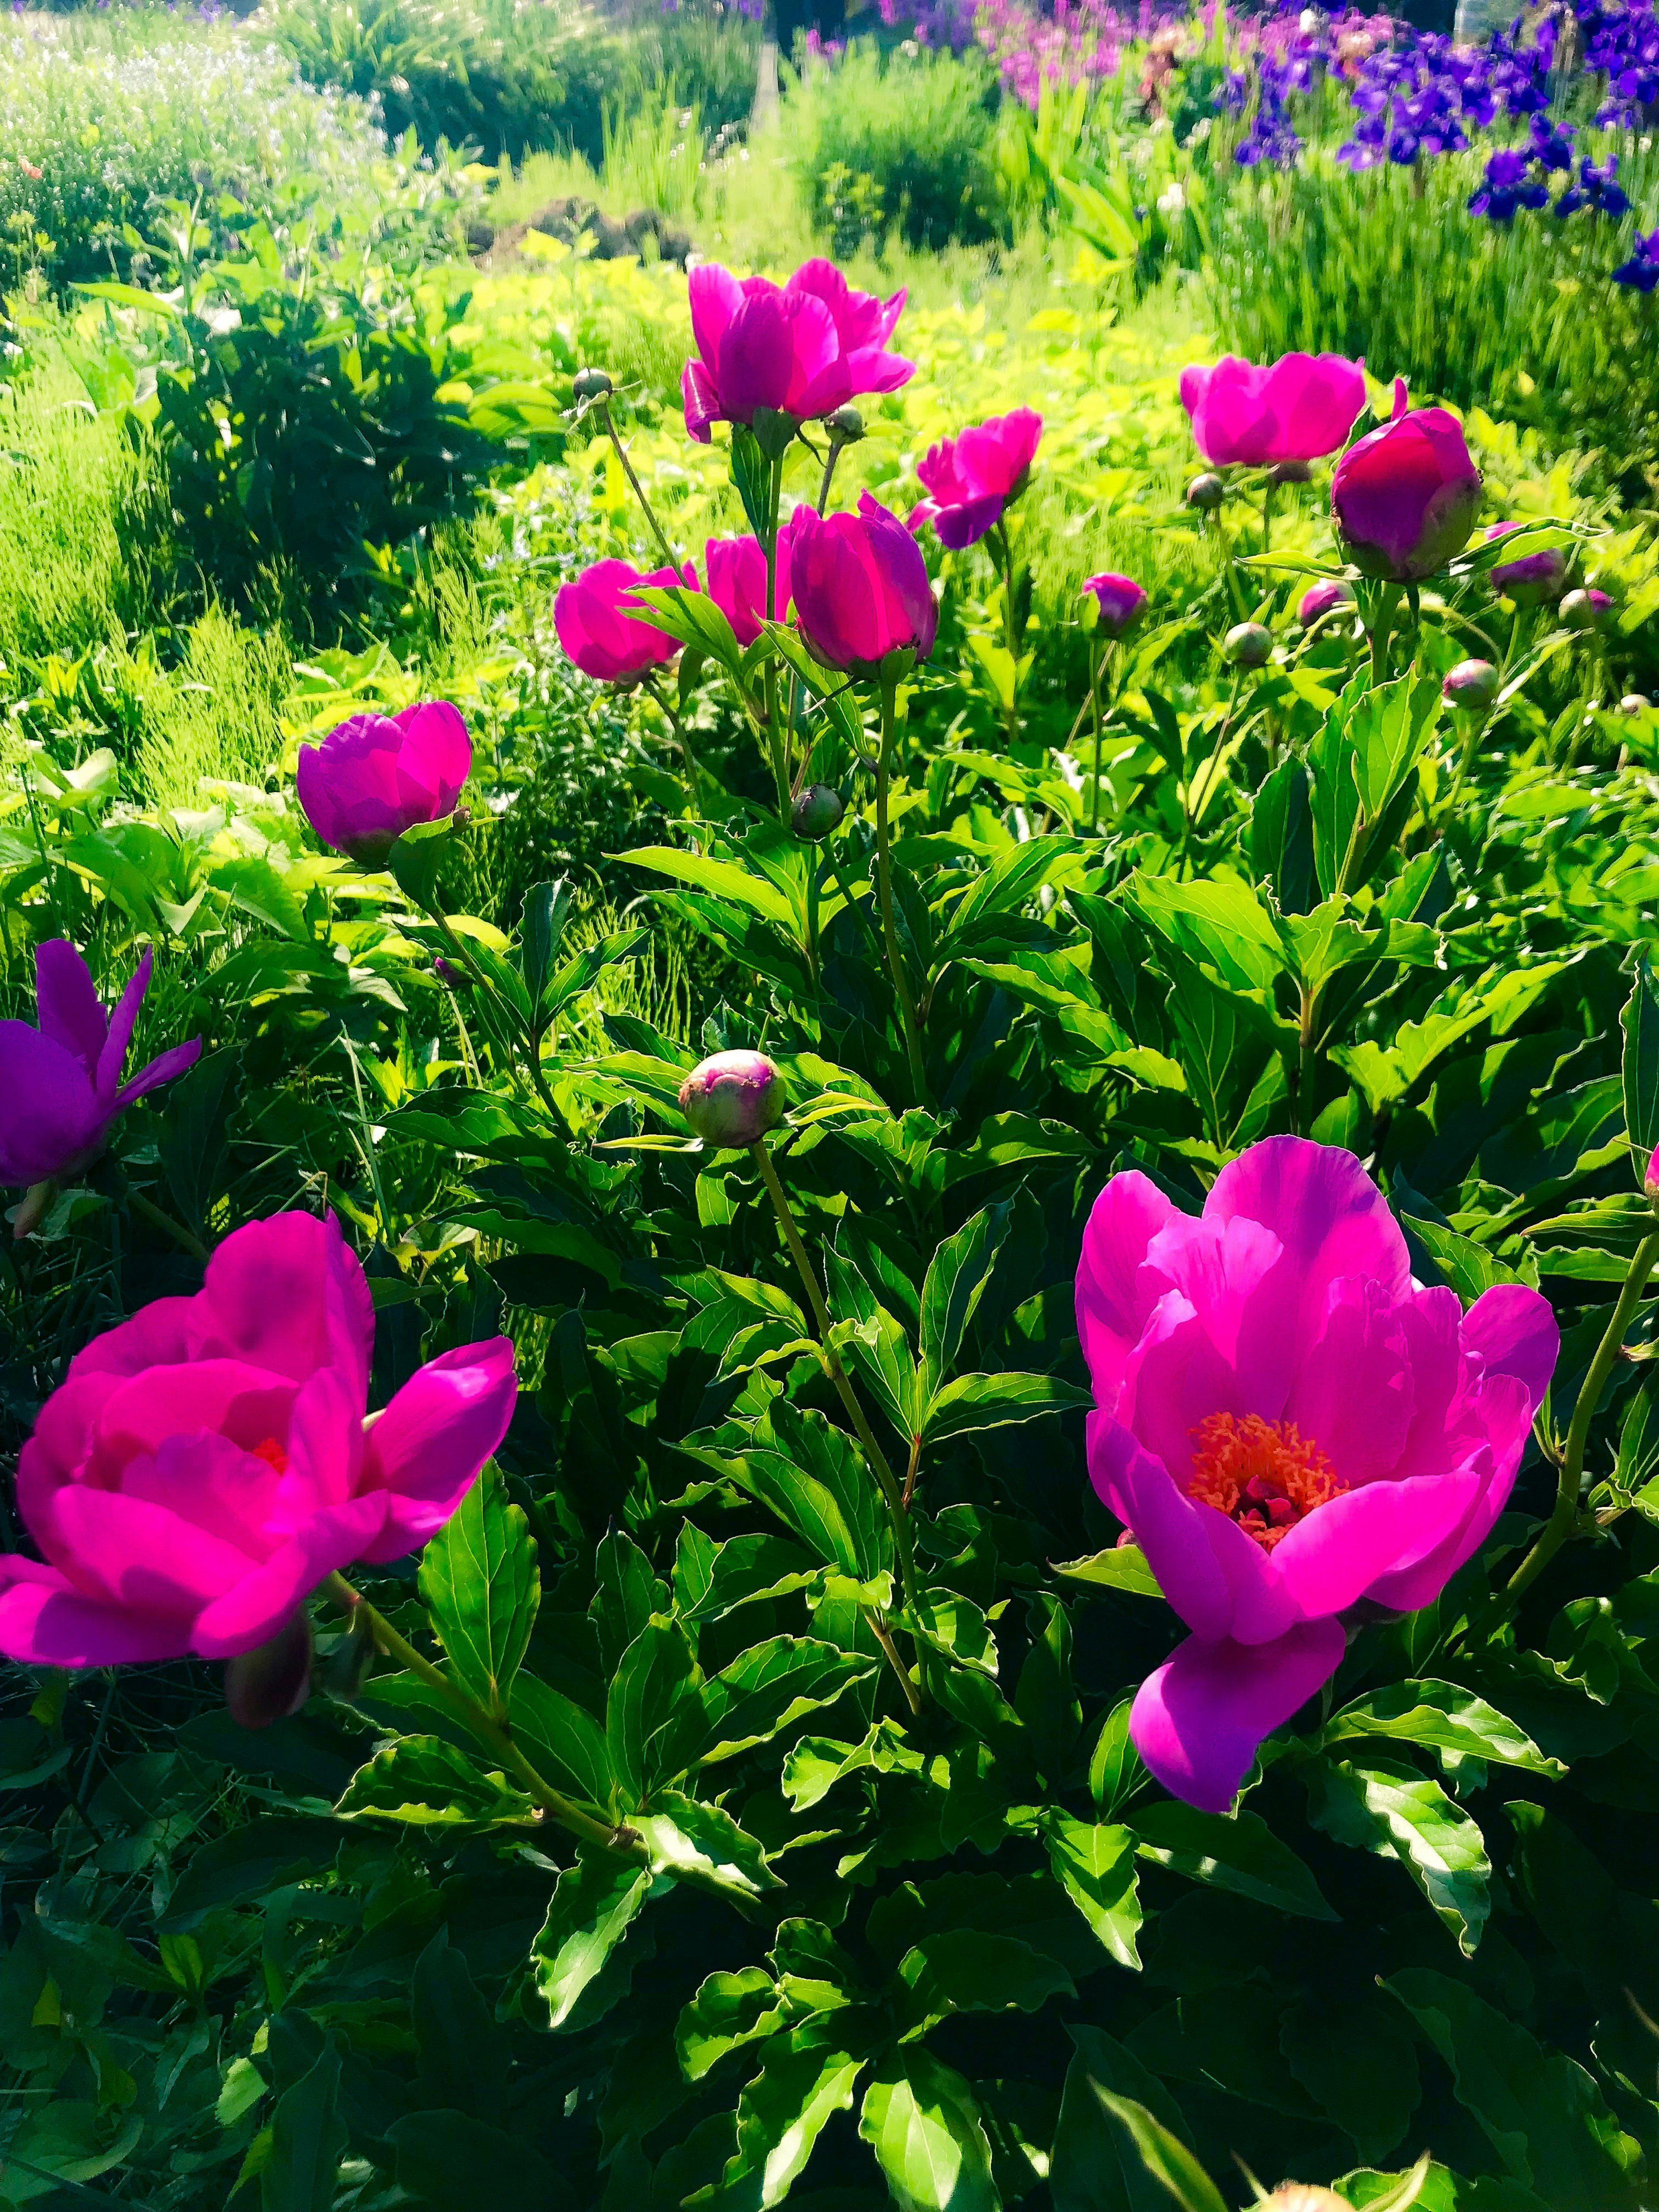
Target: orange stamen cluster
{"x": 1265, "y": 1475}
{"x": 272, "y": 1454}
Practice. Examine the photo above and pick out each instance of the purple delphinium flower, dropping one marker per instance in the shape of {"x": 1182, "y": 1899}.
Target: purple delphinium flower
{"x": 1641, "y": 272}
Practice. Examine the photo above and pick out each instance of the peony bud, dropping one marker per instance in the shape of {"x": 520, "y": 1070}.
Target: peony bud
{"x": 817, "y": 814}
{"x": 1289, "y": 472}
{"x": 1403, "y": 497}
{"x": 272, "y": 1680}
{"x": 591, "y": 384}
{"x": 1651, "y": 1179}
{"x": 1303, "y": 2196}
{"x": 1471, "y": 683}
{"x": 1532, "y": 579}
{"x": 1247, "y": 645}
{"x": 1320, "y": 598}
{"x": 844, "y": 426}
{"x": 732, "y": 1098}
{"x": 1634, "y": 702}
{"x": 1206, "y": 492}
{"x": 451, "y": 977}
{"x": 1118, "y": 601}
{"x": 1585, "y": 610}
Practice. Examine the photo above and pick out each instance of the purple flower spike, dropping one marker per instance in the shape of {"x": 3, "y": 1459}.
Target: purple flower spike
{"x": 60, "y": 1084}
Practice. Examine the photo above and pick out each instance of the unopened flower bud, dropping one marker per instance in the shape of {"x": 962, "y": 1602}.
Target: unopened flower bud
{"x": 451, "y": 977}
{"x": 1303, "y": 2196}
{"x": 732, "y": 1098}
{"x": 1471, "y": 683}
{"x": 1289, "y": 472}
{"x": 844, "y": 426}
{"x": 1247, "y": 645}
{"x": 817, "y": 814}
{"x": 1320, "y": 598}
{"x": 591, "y": 384}
{"x": 1586, "y": 610}
{"x": 1531, "y": 580}
{"x": 1635, "y": 702}
{"x": 272, "y": 1680}
{"x": 1650, "y": 1180}
{"x": 1206, "y": 492}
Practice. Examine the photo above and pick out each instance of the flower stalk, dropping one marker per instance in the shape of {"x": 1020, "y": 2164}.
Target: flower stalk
{"x": 896, "y": 966}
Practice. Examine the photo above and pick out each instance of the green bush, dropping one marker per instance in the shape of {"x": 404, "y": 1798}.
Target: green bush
{"x": 709, "y": 58}
{"x": 897, "y": 140}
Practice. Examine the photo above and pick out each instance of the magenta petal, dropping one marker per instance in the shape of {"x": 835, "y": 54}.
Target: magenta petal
{"x": 52, "y": 1116}
{"x": 1514, "y": 1331}
{"x": 701, "y": 400}
{"x": 1325, "y": 1210}
{"x": 264, "y": 1599}
{"x": 45, "y": 1621}
{"x": 1501, "y": 1408}
{"x": 141, "y": 1556}
{"x": 437, "y": 753}
{"x": 1126, "y": 1217}
{"x": 959, "y": 527}
{"x": 288, "y": 1294}
{"x": 1353, "y": 1394}
{"x": 1340, "y": 1550}
{"x": 163, "y": 1069}
{"x": 426, "y": 1448}
{"x": 68, "y": 1007}
{"x": 122, "y": 1023}
{"x": 1199, "y": 1721}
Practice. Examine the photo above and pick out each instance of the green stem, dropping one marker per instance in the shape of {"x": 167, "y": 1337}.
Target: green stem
{"x": 164, "y": 1221}
{"x": 1477, "y": 726}
{"x": 837, "y": 446}
{"x": 884, "y": 886}
{"x": 891, "y": 1490}
{"x": 458, "y": 945}
{"x": 1009, "y": 632}
{"x": 1388, "y": 599}
{"x": 616, "y": 1837}
{"x": 604, "y": 409}
{"x": 1097, "y": 665}
{"x": 1564, "y": 1512}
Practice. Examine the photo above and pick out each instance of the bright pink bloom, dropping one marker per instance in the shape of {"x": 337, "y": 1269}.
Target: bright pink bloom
{"x": 376, "y": 775}
{"x": 1405, "y": 496}
{"x": 1302, "y": 407}
{"x": 204, "y": 1465}
{"x": 1287, "y": 1423}
{"x": 971, "y": 477}
{"x": 1119, "y": 599}
{"x": 598, "y": 631}
{"x": 60, "y": 1084}
{"x": 804, "y": 347}
{"x": 737, "y": 580}
{"x": 860, "y": 588}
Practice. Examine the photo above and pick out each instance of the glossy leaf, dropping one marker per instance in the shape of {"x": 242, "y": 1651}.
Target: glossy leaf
{"x": 479, "y": 1582}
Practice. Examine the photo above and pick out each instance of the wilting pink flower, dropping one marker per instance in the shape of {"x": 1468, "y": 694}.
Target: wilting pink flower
{"x": 204, "y": 1465}
{"x": 375, "y": 775}
{"x": 737, "y": 580}
{"x": 1303, "y": 406}
{"x": 860, "y": 588}
{"x": 804, "y": 347}
{"x": 1119, "y": 599}
{"x": 1287, "y": 1423}
{"x": 1405, "y": 496}
{"x": 971, "y": 478}
{"x": 601, "y": 628}
{"x": 60, "y": 1084}
{"x": 1320, "y": 598}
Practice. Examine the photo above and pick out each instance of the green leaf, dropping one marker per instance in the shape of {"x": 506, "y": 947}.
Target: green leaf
{"x": 766, "y": 1688}
{"x": 1466, "y": 1267}
{"x": 1236, "y": 1851}
{"x": 564, "y": 1740}
{"x": 969, "y": 1970}
{"x": 308, "y": 2140}
{"x": 441, "y": 2154}
{"x": 703, "y": 1843}
{"x": 729, "y": 2011}
{"x": 425, "y": 1781}
{"x": 1356, "y": 2060}
{"x": 1641, "y": 1066}
{"x": 1122, "y": 1568}
{"x": 1095, "y": 2164}
{"x": 1046, "y": 1696}
{"x": 1444, "y": 1718}
{"x": 546, "y": 910}
{"x": 1280, "y": 837}
{"x": 464, "y": 2057}
{"x": 808, "y": 2077}
{"x": 1218, "y": 921}
{"x": 248, "y": 1862}
{"x": 478, "y": 1582}
{"x": 593, "y": 1905}
{"x": 626, "y": 1595}
{"x": 417, "y": 860}
{"x": 994, "y": 1402}
{"x": 1094, "y": 1861}
{"x": 727, "y": 879}
{"x": 1114, "y": 1768}
{"x": 692, "y": 617}
{"x": 1394, "y": 1811}
{"x": 1542, "y": 2112}
{"x": 957, "y": 1276}
{"x": 1163, "y": 2154}
{"x": 657, "y": 1672}
{"x": 921, "y": 2120}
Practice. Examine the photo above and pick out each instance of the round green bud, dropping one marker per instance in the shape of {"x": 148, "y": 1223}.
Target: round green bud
{"x": 817, "y": 814}
{"x": 592, "y": 384}
{"x": 1206, "y": 492}
{"x": 1247, "y": 645}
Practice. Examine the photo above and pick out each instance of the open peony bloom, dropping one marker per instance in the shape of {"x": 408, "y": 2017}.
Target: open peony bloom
{"x": 860, "y": 588}
{"x": 804, "y": 347}
{"x": 60, "y": 1084}
{"x": 1287, "y": 1423}
{"x": 971, "y": 478}
{"x": 1302, "y": 407}
{"x": 737, "y": 580}
{"x": 1405, "y": 496}
{"x": 604, "y": 632}
{"x": 205, "y": 1466}
{"x": 376, "y": 775}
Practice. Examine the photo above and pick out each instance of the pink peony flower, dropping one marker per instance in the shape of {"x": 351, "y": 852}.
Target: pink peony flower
{"x": 737, "y": 580}
{"x": 1287, "y": 1423}
{"x": 376, "y": 775}
{"x": 1405, "y": 496}
{"x": 1304, "y": 406}
{"x": 205, "y": 1465}
{"x": 860, "y": 588}
{"x": 1119, "y": 599}
{"x": 804, "y": 347}
{"x": 602, "y": 629}
{"x": 60, "y": 1084}
{"x": 971, "y": 478}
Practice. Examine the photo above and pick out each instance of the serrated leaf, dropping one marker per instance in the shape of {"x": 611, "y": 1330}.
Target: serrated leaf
{"x": 808, "y": 2077}
{"x": 729, "y": 2011}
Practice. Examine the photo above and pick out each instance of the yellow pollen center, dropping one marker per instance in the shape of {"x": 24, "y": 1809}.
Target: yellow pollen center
{"x": 1265, "y": 1475}
{"x": 272, "y": 1454}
